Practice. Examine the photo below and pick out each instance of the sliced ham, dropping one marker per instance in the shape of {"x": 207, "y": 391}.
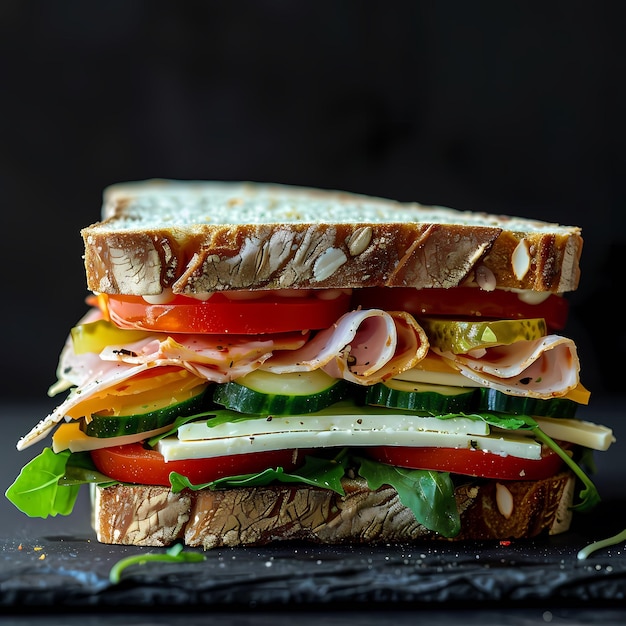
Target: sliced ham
{"x": 544, "y": 368}
{"x": 364, "y": 347}
{"x": 221, "y": 358}
{"x": 343, "y": 340}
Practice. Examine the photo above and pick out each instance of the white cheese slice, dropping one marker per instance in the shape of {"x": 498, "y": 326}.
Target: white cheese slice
{"x": 70, "y": 437}
{"x": 580, "y": 432}
{"x": 374, "y": 421}
{"x": 173, "y": 449}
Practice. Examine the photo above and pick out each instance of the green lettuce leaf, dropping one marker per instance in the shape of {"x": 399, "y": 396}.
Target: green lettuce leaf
{"x": 80, "y": 469}
{"x": 37, "y": 492}
{"x": 317, "y": 472}
{"x": 178, "y": 422}
{"x": 429, "y": 495}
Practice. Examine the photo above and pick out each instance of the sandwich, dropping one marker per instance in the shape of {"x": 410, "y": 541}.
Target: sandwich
{"x": 262, "y": 362}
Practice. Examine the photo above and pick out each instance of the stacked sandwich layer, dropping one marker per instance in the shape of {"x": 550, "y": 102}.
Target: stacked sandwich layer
{"x": 261, "y": 362}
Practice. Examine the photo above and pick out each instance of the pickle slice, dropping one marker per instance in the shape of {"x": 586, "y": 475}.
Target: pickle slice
{"x": 460, "y": 336}
{"x": 95, "y": 336}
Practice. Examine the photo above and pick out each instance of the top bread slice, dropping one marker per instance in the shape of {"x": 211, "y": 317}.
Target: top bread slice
{"x": 197, "y": 237}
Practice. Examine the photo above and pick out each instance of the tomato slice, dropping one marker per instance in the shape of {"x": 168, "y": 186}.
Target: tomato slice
{"x": 132, "y": 463}
{"x": 221, "y": 314}
{"x": 470, "y": 462}
{"x": 463, "y": 302}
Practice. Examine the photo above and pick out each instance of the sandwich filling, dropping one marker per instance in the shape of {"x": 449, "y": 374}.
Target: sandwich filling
{"x": 419, "y": 389}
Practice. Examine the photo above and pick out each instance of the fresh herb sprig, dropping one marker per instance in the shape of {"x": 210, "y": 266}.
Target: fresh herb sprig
{"x": 174, "y": 554}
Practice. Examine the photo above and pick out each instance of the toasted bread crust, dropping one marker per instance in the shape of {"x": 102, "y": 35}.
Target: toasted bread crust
{"x": 154, "y": 516}
{"x": 205, "y": 237}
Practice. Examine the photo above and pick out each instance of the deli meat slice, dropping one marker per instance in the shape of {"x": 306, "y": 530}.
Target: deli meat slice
{"x": 542, "y": 368}
{"x": 365, "y": 347}
{"x": 216, "y": 358}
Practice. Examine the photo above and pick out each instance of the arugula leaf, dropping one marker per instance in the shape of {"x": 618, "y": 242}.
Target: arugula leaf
{"x": 214, "y": 417}
{"x": 179, "y": 421}
{"x": 588, "y": 460}
{"x": 80, "y": 469}
{"x": 174, "y": 554}
{"x": 318, "y": 472}
{"x": 37, "y": 492}
{"x": 508, "y": 421}
{"x": 430, "y": 495}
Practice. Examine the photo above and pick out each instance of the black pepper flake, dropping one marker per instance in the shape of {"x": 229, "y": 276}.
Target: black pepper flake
{"x": 125, "y": 352}
{"x": 526, "y": 381}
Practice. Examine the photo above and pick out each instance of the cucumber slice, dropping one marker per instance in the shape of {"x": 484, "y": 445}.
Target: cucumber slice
{"x": 494, "y": 400}
{"x": 460, "y": 337}
{"x": 434, "y": 399}
{"x": 264, "y": 393}
{"x": 102, "y": 425}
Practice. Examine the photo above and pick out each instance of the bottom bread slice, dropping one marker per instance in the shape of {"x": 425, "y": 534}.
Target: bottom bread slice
{"x": 247, "y": 516}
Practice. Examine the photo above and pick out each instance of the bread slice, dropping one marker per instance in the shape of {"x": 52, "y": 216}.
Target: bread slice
{"x": 196, "y": 237}
{"x": 252, "y": 516}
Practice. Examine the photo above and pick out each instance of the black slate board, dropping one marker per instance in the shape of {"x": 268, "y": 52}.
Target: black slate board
{"x": 73, "y": 572}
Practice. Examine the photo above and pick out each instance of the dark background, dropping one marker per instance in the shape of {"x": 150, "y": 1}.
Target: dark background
{"x": 510, "y": 107}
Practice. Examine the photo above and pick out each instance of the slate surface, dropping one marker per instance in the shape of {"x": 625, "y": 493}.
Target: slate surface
{"x": 73, "y": 572}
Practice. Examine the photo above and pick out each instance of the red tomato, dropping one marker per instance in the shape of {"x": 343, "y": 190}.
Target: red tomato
{"x": 463, "y": 302}
{"x": 220, "y": 314}
{"x": 469, "y": 462}
{"x": 132, "y": 463}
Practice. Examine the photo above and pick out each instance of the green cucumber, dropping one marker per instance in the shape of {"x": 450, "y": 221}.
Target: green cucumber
{"x": 117, "y": 425}
{"x": 265, "y": 393}
{"x": 433, "y": 399}
{"x": 497, "y": 401}
{"x": 441, "y": 399}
